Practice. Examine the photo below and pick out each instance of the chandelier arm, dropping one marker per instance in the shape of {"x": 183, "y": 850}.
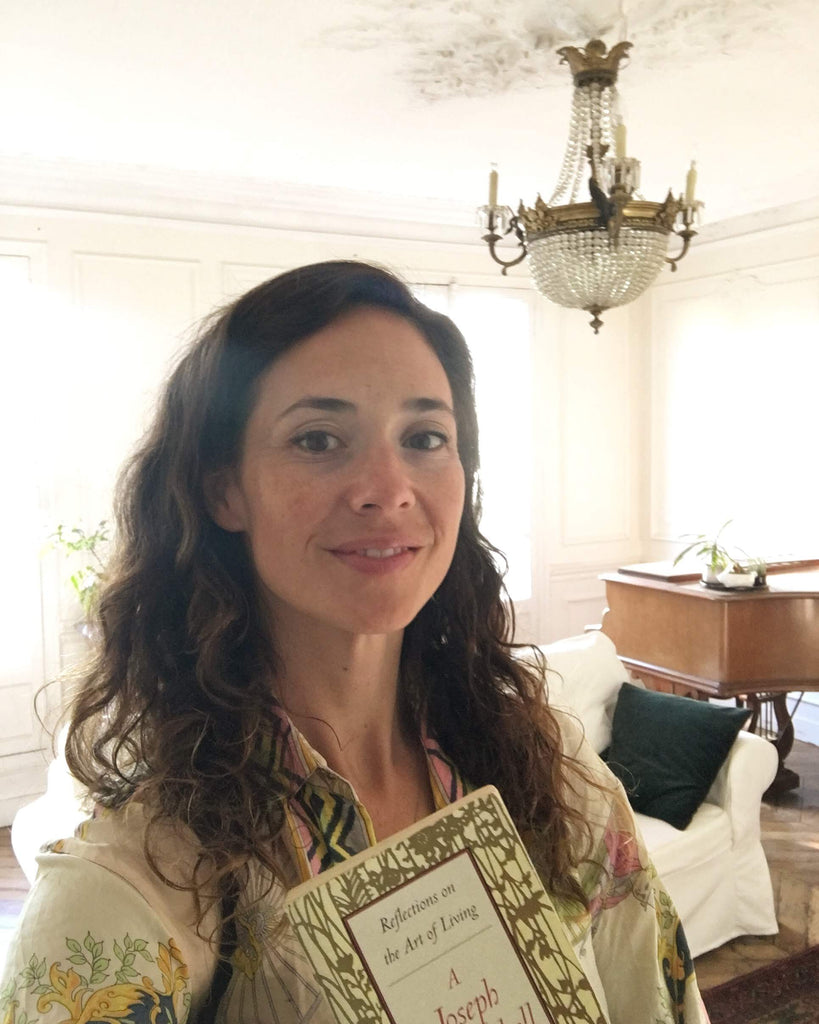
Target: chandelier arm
{"x": 686, "y": 235}
{"x": 492, "y": 238}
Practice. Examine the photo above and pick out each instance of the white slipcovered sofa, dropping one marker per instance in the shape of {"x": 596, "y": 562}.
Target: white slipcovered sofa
{"x": 715, "y": 869}
{"x": 54, "y": 815}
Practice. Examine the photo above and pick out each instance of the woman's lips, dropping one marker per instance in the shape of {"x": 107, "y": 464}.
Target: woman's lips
{"x": 376, "y": 559}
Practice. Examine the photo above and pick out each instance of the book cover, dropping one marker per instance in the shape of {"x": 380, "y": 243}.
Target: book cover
{"x": 446, "y": 922}
{"x": 663, "y": 571}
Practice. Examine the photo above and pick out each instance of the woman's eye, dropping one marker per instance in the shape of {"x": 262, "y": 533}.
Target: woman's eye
{"x": 316, "y": 441}
{"x": 427, "y": 440}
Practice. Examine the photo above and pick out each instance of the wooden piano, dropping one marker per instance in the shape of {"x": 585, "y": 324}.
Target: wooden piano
{"x": 756, "y": 646}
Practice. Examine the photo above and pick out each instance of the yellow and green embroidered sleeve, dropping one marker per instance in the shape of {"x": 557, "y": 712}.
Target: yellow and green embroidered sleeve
{"x": 89, "y": 948}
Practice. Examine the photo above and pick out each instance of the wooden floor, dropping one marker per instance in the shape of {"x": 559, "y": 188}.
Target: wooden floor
{"x": 790, "y": 835}
{"x": 13, "y": 884}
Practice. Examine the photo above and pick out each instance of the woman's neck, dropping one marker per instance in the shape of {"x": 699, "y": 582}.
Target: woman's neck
{"x": 341, "y": 691}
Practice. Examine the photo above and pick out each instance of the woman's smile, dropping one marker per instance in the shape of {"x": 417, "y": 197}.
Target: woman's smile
{"x": 376, "y": 557}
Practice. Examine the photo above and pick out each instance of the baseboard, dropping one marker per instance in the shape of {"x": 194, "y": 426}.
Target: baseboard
{"x": 23, "y": 780}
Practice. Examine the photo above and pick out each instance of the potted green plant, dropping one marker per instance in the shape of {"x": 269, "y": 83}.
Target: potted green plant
{"x": 712, "y": 553}
{"x": 90, "y": 546}
{"x": 722, "y": 566}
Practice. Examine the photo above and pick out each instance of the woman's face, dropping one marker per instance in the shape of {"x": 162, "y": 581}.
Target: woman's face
{"x": 349, "y": 489}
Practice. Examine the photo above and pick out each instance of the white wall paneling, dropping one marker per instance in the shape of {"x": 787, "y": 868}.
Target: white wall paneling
{"x": 26, "y": 656}
{"x": 23, "y": 778}
{"x": 596, "y": 398}
{"x": 238, "y": 278}
{"x": 577, "y": 600}
{"x": 131, "y": 315}
{"x": 590, "y": 450}
{"x": 17, "y": 723}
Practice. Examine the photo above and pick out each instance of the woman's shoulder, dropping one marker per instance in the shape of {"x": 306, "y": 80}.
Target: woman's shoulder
{"x": 98, "y": 918}
{"x": 131, "y": 842}
{"x": 116, "y": 839}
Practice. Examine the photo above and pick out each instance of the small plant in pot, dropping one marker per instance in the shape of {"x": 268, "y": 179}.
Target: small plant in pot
{"x": 713, "y": 554}
{"x": 722, "y": 567}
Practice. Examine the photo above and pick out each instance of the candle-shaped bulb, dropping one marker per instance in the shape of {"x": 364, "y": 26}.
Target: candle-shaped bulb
{"x": 493, "y": 185}
{"x": 690, "y": 183}
{"x": 620, "y": 141}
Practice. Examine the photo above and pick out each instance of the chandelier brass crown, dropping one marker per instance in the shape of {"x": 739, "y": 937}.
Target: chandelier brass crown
{"x": 592, "y": 63}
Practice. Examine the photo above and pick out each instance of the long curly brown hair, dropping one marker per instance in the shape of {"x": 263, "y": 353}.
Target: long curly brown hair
{"x": 178, "y": 698}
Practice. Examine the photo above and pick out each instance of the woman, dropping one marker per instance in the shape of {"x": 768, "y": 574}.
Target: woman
{"x": 304, "y": 649}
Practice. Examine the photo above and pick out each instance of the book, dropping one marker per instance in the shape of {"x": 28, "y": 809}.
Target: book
{"x": 663, "y": 571}
{"x": 446, "y": 922}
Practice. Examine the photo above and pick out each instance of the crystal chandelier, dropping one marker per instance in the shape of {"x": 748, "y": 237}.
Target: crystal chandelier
{"x": 604, "y": 252}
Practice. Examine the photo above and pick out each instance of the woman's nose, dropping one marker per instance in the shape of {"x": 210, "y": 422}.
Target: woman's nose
{"x": 381, "y": 481}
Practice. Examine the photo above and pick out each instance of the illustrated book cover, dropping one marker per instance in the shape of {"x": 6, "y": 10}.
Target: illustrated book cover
{"x": 446, "y": 922}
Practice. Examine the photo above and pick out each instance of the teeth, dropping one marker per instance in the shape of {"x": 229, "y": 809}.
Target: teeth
{"x": 378, "y": 553}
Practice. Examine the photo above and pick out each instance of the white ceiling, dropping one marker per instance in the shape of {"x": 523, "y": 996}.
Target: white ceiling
{"x": 411, "y": 98}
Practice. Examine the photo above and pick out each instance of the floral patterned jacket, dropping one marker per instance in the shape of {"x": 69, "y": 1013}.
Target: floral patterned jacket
{"x": 102, "y": 939}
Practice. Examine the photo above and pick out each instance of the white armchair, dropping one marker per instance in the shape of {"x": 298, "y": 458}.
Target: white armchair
{"x": 715, "y": 869}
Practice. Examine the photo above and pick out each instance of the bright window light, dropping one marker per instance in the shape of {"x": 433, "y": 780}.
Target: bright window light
{"x": 497, "y": 327}
{"x": 735, "y": 410}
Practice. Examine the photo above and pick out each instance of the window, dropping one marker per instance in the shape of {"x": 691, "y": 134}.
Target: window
{"x": 498, "y": 328}
{"x": 735, "y": 376}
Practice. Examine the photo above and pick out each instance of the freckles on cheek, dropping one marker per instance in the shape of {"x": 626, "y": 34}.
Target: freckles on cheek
{"x": 279, "y": 515}
{"x": 295, "y": 519}
{"x": 298, "y": 508}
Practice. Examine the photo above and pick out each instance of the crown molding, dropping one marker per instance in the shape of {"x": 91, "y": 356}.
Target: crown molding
{"x": 193, "y": 196}
{"x": 115, "y": 189}
{"x": 769, "y": 219}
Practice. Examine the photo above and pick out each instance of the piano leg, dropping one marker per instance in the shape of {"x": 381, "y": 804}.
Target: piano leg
{"x": 782, "y": 737}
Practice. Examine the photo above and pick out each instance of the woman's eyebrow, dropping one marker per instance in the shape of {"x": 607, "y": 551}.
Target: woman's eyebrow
{"x": 325, "y": 403}
{"x": 428, "y": 405}
{"x": 320, "y": 402}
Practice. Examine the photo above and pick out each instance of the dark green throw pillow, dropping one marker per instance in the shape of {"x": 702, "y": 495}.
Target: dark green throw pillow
{"x": 667, "y": 750}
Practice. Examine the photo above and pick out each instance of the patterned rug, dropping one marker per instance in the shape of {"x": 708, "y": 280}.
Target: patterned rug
{"x": 784, "y": 992}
